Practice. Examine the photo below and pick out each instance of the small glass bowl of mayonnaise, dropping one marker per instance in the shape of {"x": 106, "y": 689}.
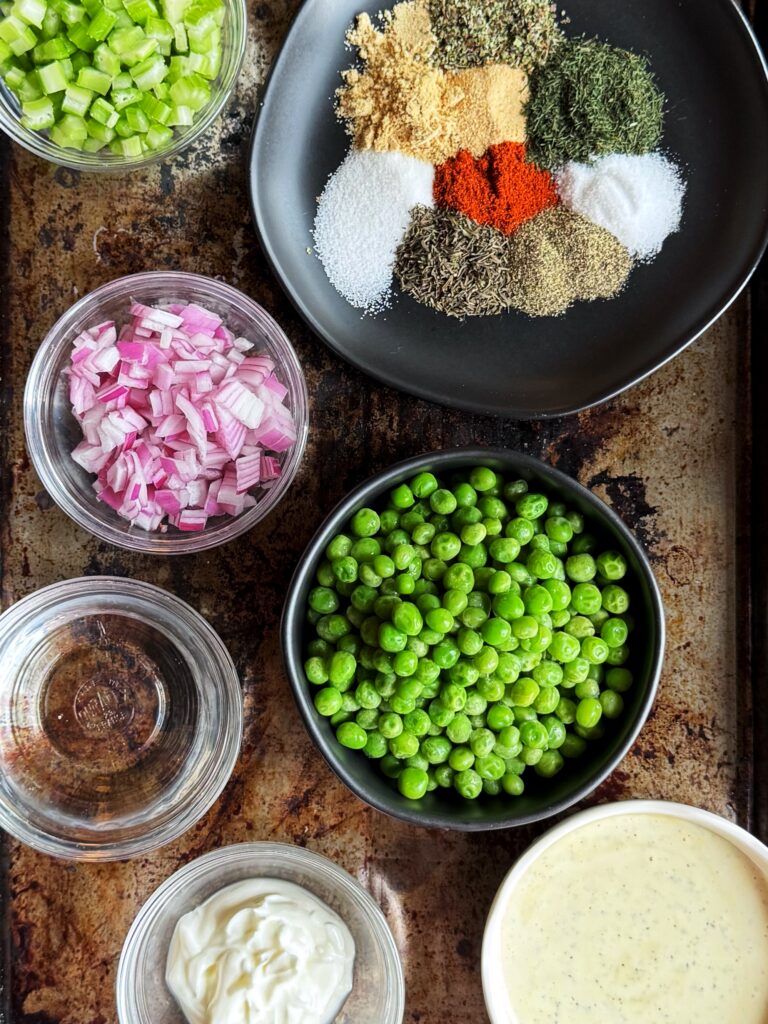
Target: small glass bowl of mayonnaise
{"x": 254, "y": 909}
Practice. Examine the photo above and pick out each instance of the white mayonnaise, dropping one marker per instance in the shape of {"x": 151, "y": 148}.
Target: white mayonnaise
{"x": 638, "y": 919}
{"x": 262, "y": 951}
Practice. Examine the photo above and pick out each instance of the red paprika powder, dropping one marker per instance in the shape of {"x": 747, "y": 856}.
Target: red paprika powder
{"x": 498, "y": 188}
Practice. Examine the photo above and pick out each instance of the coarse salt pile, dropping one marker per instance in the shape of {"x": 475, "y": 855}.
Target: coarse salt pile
{"x": 178, "y": 420}
{"x": 362, "y": 217}
{"x": 639, "y": 199}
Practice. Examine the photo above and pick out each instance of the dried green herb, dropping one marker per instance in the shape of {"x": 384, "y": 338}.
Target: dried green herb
{"x": 591, "y": 99}
{"x": 454, "y": 265}
{"x": 470, "y": 33}
{"x": 458, "y": 267}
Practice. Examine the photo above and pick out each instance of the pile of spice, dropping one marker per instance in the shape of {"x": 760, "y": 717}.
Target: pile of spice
{"x": 495, "y": 164}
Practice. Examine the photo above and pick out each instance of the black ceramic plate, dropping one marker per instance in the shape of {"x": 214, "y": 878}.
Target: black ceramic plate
{"x": 708, "y": 64}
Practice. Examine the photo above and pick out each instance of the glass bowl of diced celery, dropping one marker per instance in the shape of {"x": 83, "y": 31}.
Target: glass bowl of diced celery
{"x": 110, "y": 85}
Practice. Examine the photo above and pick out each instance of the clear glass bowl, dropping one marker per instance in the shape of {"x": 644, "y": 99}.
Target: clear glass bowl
{"x": 120, "y": 718}
{"x": 52, "y": 431}
{"x": 234, "y": 34}
{"x": 378, "y": 995}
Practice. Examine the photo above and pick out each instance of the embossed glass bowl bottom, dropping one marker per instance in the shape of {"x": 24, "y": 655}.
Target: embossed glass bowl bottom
{"x": 378, "y": 992}
{"x": 120, "y": 718}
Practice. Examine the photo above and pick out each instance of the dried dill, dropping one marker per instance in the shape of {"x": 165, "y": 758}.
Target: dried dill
{"x": 591, "y": 99}
{"x": 470, "y": 33}
{"x": 448, "y": 262}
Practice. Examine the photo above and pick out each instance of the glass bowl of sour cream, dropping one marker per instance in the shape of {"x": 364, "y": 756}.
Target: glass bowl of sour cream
{"x": 630, "y": 912}
{"x": 264, "y": 932}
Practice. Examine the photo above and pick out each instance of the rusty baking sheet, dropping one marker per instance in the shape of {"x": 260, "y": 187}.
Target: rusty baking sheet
{"x": 672, "y": 456}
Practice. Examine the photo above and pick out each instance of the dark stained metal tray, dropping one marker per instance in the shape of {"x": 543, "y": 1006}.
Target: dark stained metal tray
{"x": 673, "y": 457}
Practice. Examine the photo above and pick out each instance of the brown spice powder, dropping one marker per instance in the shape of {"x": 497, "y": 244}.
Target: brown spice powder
{"x": 399, "y": 101}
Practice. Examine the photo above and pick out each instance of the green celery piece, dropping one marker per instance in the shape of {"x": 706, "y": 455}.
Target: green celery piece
{"x": 192, "y": 92}
{"x": 72, "y": 127}
{"x": 31, "y": 88}
{"x": 77, "y": 100}
{"x": 17, "y": 34}
{"x": 114, "y": 5}
{"x": 149, "y": 72}
{"x": 137, "y": 119}
{"x": 30, "y": 11}
{"x": 122, "y": 81}
{"x": 178, "y": 67}
{"x": 53, "y": 49}
{"x": 91, "y": 6}
{"x": 5, "y": 8}
{"x": 122, "y": 127}
{"x": 97, "y": 130}
{"x": 14, "y": 78}
{"x": 145, "y": 49}
{"x": 37, "y": 115}
{"x": 202, "y": 10}
{"x": 159, "y": 29}
{"x": 206, "y": 65}
{"x": 174, "y": 10}
{"x": 162, "y": 91}
{"x": 204, "y": 42}
{"x": 51, "y": 24}
{"x": 123, "y": 19}
{"x": 92, "y": 145}
{"x": 80, "y": 37}
{"x": 95, "y": 80}
{"x": 61, "y": 138}
{"x": 52, "y": 77}
{"x": 102, "y": 23}
{"x": 182, "y": 116}
{"x": 155, "y": 109}
{"x": 106, "y": 61}
{"x": 121, "y": 98}
{"x": 104, "y": 113}
{"x": 127, "y": 147}
{"x": 80, "y": 60}
{"x": 180, "y": 40}
{"x": 70, "y": 13}
{"x": 141, "y": 10}
{"x": 125, "y": 40}
{"x": 158, "y": 137}
{"x": 6, "y": 54}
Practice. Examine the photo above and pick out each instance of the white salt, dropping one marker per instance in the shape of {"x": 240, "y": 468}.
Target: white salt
{"x": 362, "y": 217}
{"x": 639, "y": 199}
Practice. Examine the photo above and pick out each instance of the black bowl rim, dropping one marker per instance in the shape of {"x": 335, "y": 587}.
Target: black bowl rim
{"x": 718, "y": 306}
{"x": 292, "y": 620}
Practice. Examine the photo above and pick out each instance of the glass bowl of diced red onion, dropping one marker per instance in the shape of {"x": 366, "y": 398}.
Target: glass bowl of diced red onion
{"x": 166, "y": 413}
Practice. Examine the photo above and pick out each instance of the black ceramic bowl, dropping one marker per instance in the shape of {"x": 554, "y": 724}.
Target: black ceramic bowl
{"x": 542, "y": 797}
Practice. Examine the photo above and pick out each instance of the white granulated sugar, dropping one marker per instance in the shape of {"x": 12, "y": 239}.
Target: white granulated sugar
{"x": 362, "y": 217}
{"x": 639, "y": 199}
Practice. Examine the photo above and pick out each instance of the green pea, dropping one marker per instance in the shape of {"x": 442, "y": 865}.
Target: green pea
{"x": 365, "y": 549}
{"x": 404, "y": 745}
{"x": 410, "y": 520}
{"x": 349, "y": 734}
{"x": 442, "y": 502}
{"x": 469, "y": 642}
{"x": 328, "y": 701}
{"x": 323, "y": 600}
{"x": 486, "y": 661}
{"x": 617, "y": 655}
{"x": 508, "y": 668}
{"x": 406, "y": 663}
{"x": 367, "y": 696}
{"x": 540, "y": 542}
{"x": 402, "y": 556}
{"x": 524, "y": 692}
{"x": 453, "y": 697}
{"x": 390, "y": 725}
{"x": 490, "y": 766}
{"x": 546, "y": 700}
{"x": 461, "y": 758}
{"x": 560, "y": 593}
{"x": 534, "y": 734}
{"x": 424, "y": 484}
{"x": 444, "y": 776}
{"x": 556, "y": 730}
{"x": 445, "y": 546}
{"x": 402, "y": 497}
{"x": 333, "y": 627}
{"x": 499, "y": 582}
{"x": 434, "y": 569}
{"x": 521, "y": 530}
{"x": 531, "y": 755}
{"x": 472, "y": 534}
{"x": 474, "y": 556}
{"x": 512, "y": 784}
{"x": 504, "y": 550}
{"x": 615, "y": 599}
{"x": 537, "y": 600}
{"x": 566, "y": 711}
{"x": 589, "y": 688}
{"x": 465, "y": 495}
{"x": 468, "y": 784}
{"x": 339, "y": 547}
{"x": 473, "y": 617}
{"x": 389, "y": 521}
{"x": 558, "y": 528}
{"x": 612, "y": 703}
{"x": 482, "y": 742}
{"x": 342, "y": 668}
{"x": 316, "y": 671}
{"x": 497, "y": 631}
{"x": 445, "y": 654}
{"x": 584, "y": 544}
{"x": 407, "y": 618}
{"x": 611, "y": 565}
{"x": 348, "y": 700}
{"x": 459, "y": 577}
{"x": 564, "y": 648}
{"x": 524, "y": 628}
{"x": 541, "y": 564}
{"x": 573, "y": 746}
{"x": 594, "y": 650}
{"x": 581, "y": 568}
{"x": 454, "y": 601}
{"x": 490, "y": 688}
{"x": 405, "y": 584}
{"x": 391, "y": 638}
{"x": 412, "y": 783}
{"x": 575, "y": 671}
{"x": 589, "y": 712}
{"x": 491, "y": 787}
{"x": 402, "y": 705}
{"x": 423, "y": 533}
{"x": 509, "y": 606}
{"x": 375, "y": 746}
{"x": 390, "y": 766}
{"x": 367, "y": 718}
{"x": 440, "y": 619}
{"x": 476, "y": 703}
{"x": 440, "y": 714}
{"x": 618, "y": 679}
{"x": 550, "y": 764}
{"x": 427, "y": 671}
{"x": 531, "y": 506}
{"x": 482, "y": 478}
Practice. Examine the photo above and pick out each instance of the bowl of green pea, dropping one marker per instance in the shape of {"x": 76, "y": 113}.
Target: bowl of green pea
{"x": 474, "y": 640}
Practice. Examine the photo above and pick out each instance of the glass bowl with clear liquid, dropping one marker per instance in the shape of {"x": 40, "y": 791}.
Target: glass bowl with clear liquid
{"x": 120, "y": 718}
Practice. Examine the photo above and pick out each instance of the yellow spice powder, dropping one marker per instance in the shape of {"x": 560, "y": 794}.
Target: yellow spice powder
{"x": 399, "y": 101}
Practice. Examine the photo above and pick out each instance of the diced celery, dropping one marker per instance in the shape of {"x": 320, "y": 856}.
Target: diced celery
{"x": 173, "y": 10}
{"x": 51, "y": 24}
{"x": 106, "y": 61}
{"x": 81, "y": 38}
{"x": 80, "y": 60}
{"x": 17, "y": 34}
{"x": 149, "y": 72}
{"x": 182, "y": 116}
{"x": 162, "y": 91}
{"x": 137, "y": 119}
{"x": 53, "y": 77}
{"x": 155, "y": 109}
{"x": 125, "y": 40}
{"x": 123, "y": 19}
{"x": 122, "y": 81}
{"x": 145, "y": 49}
{"x": 103, "y": 112}
{"x": 6, "y": 54}
{"x": 141, "y": 10}
{"x": 177, "y": 68}
{"x": 192, "y": 92}
{"x": 30, "y": 11}
{"x": 70, "y": 131}
{"x": 37, "y": 115}
{"x": 201, "y": 10}
{"x": 96, "y": 81}
{"x": 14, "y": 78}
{"x": 122, "y": 98}
{"x": 70, "y": 13}
{"x": 62, "y": 139}
{"x": 157, "y": 28}
{"x": 92, "y": 6}
{"x": 122, "y": 127}
{"x": 180, "y": 40}
{"x": 5, "y": 7}
{"x": 97, "y": 130}
{"x": 204, "y": 42}
{"x": 53, "y": 49}
{"x": 114, "y": 5}
{"x": 158, "y": 137}
{"x": 127, "y": 147}
{"x": 92, "y": 145}
{"x": 77, "y": 100}
{"x": 102, "y": 23}
{"x": 30, "y": 89}
{"x": 206, "y": 65}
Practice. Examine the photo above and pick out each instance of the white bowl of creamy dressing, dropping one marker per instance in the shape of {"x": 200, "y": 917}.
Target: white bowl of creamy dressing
{"x": 639, "y": 912}
{"x": 261, "y": 932}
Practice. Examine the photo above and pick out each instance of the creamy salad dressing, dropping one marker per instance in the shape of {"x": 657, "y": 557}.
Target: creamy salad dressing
{"x": 262, "y": 951}
{"x": 638, "y": 919}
